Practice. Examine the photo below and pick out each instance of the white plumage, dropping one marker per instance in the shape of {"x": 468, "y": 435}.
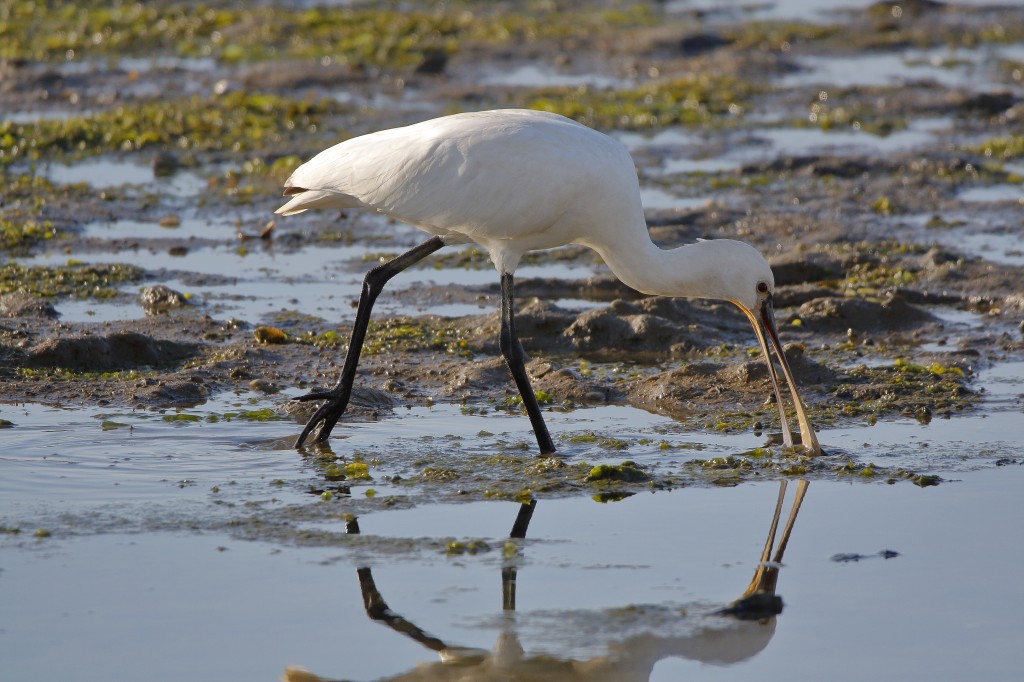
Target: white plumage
{"x": 514, "y": 181}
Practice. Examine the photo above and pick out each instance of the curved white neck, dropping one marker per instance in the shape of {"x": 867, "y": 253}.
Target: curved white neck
{"x": 685, "y": 271}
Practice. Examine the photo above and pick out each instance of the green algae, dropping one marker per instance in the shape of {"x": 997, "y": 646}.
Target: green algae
{"x": 74, "y": 279}
{"x": 935, "y": 368}
{"x": 882, "y": 205}
{"x": 382, "y": 34}
{"x": 472, "y": 547}
{"x": 70, "y": 375}
{"x": 264, "y": 415}
{"x": 438, "y": 474}
{"x": 779, "y": 36}
{"x": 181, "y": 418}
{"x": 235, "y": 121}
{"x": 629, "y": 472}
{"x": 397, "y": 35}
{"x": 852, "y": 109}
{"x": 357, "y": 471}
{"x": 697, "y": 100}
{"x": 905, "y": 388}
{"x": 415, "y": 333}
{"x": 605, "y": 442}
{"x": 17, "y": 234}
{"x": 1000, "y": 147}
{"x": 732, "y": 470}
{"x": 26, "y": 199}
{"x": 327, "y": 339}
{"x": 924, "y": 480}
{"x": 874, "y": 267}
{"x": 515, "y": 402}
{"x": 886, "y": 31}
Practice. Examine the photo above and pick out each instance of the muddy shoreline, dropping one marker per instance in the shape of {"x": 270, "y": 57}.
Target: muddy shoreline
{"x": 888, "y": 310}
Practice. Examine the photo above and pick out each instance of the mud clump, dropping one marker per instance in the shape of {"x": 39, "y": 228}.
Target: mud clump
{"x": 115, "y": 351}
{"x": 799, "y": 269}
{"x": 178, "y": 393}
{"x": 20, "y": 304}
{"x": 693, "y": 382}
{"x": 862, "y": 314}
{"x": 540, "y": 324}
{"x": 798, "y": 294}
{"x": 603, "y": 330}
{"x": 477, "y": 377}
{"x": 806, "y": 371}
{"x": 159, "y": 299}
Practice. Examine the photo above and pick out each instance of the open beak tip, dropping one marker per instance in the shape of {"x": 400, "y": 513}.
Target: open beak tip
{"x": 807, "y": 436}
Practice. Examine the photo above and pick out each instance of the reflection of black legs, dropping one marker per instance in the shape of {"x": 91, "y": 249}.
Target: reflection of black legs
{"x": 515, "y": 358}
{"x": 508, "y": 589}
{"x": 337, "y": 398}
{"x": 508, "y": 574}
{"x": 523, "y": 519}
{"x": 378, "y": 610}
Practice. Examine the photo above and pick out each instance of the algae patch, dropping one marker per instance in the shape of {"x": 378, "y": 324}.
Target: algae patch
{"x": 629, "y": 472}
{"x": 74, "y": 279}
{"x": 699, "y": 100}
{"x": 234, "y": 121}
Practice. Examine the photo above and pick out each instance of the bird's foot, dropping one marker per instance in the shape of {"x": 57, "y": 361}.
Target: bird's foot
{"x": 325, "y": 417}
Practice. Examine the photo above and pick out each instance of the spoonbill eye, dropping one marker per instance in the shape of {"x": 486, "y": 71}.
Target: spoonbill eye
{"x": 762, "y": 287}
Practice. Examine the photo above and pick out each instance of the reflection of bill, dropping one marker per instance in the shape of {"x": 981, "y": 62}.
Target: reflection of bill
{"x": 733, "y": 633}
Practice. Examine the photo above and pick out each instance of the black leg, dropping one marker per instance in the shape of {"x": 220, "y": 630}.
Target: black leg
{"x": 337, "y": 398}
{"x": 515, "y": 358}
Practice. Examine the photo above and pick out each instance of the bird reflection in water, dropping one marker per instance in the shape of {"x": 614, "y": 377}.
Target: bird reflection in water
{"x": 731, "y": 634}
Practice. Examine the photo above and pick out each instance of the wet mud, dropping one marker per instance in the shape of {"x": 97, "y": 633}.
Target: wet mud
{"x": 886, "y": 309}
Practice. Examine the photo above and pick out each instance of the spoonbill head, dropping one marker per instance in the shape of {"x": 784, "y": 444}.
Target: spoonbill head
{"x": 514, "y": 181}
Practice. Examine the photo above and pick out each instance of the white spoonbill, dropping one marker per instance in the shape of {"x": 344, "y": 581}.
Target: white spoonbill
{"x": 514, "y": 181}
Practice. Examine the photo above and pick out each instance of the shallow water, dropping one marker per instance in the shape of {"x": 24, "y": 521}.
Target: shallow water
{"x": 1001, "y": 192}
{"x": 203, "y": 606}
{"x": 991, "y": 233}
{"x": 141, "y": 508}
{"x": 105, "y": 173}
{"x": 324, "y": 280}
{"x": 59, "y": 460}
{"x": 728, "y": 151}
{"x": 1007, "y": 249}
{"x": 529, "y": 75}
{"x": 952, "y": 68}
{"x": 188, "y": 228}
